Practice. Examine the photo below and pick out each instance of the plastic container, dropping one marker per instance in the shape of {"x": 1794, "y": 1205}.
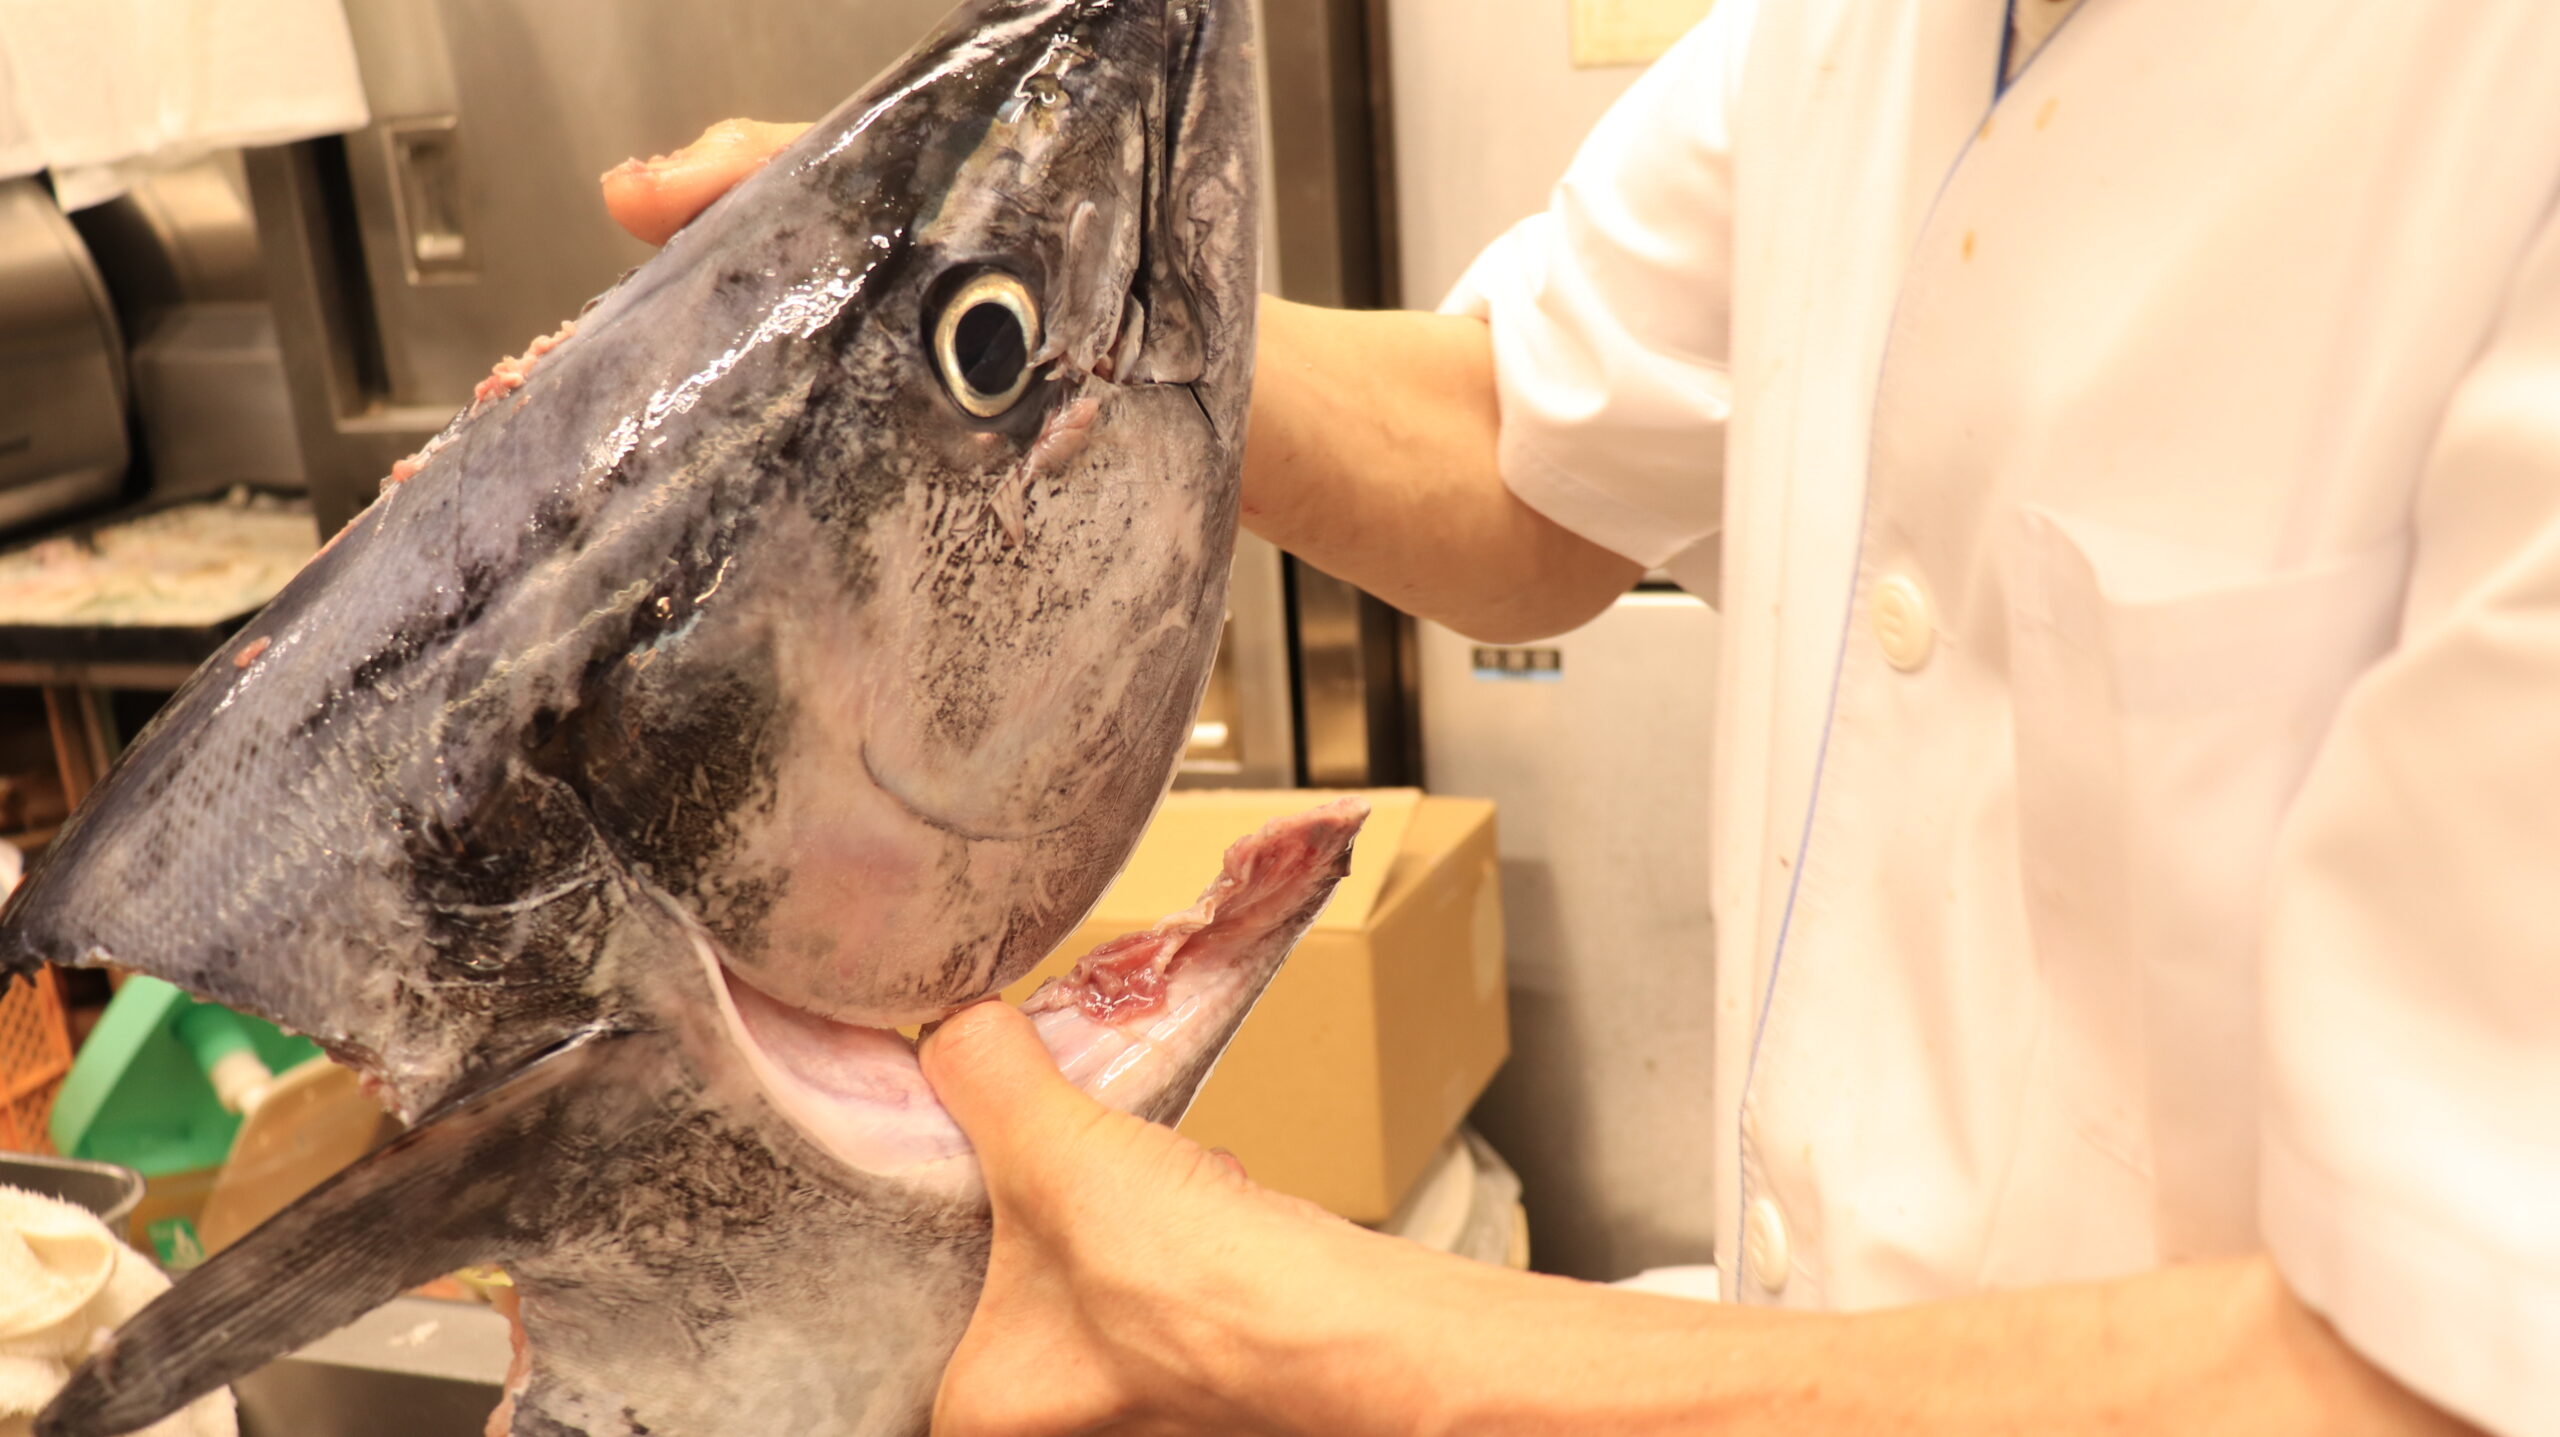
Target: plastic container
{"x": 35, "y": 1056}
{"x": 102, "y": 1188}
{"x": 157, "y": 1088}
{"x": 150, "y": 1085}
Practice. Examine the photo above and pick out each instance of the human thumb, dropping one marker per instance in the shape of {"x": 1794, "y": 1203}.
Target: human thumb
{"x": 987, "y": 1065}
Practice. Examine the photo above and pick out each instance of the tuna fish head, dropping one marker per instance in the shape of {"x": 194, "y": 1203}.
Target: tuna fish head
{"x": 846, "y": 581}
{"x": 798, "y": 645}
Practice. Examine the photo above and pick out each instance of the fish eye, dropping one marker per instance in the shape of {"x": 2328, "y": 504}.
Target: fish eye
{"x": 983, "y": 341}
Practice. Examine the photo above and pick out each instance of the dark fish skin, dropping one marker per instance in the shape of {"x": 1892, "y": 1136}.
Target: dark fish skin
{"x": 689, "y": 1262}
{"x": 728, "y": 641}
{"x": 724, "y": 604}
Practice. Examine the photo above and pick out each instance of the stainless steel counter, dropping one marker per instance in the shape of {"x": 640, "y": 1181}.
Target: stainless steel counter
{"x": 411, "y": 1368}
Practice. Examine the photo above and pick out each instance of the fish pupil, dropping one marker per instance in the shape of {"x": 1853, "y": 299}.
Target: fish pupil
{"x": 990, "y": 346}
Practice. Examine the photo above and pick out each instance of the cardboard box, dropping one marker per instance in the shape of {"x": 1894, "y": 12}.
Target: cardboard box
{"x": 1382, "y": 1027}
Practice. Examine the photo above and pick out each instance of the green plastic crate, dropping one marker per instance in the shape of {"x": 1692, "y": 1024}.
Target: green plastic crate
{"x": 137, "y": 1094}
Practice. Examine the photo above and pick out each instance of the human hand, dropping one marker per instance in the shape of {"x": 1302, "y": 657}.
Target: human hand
{"x": 1138, "y": 1282}
{"x": 655, "y": 197}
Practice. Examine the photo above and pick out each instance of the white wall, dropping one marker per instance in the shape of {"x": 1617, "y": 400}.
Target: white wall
{"x": 1488, "y": 111}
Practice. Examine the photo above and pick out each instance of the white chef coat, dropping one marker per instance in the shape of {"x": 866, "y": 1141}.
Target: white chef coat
{"x": 2134, "y": 502}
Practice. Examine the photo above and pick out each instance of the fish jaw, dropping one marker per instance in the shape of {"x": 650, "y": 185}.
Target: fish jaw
{"x": 692, "y": 1213}
{"x": 1137, "y": 1024}
{"x": 859, "y": 1299}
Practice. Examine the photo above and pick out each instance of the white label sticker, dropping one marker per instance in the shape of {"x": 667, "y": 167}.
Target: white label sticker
{"x": 1543, "y": 665}
{"x": 1630, "y": 32}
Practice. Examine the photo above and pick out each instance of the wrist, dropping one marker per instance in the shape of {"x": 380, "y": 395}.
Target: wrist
{"x": 1344, "y": 1339}
{"x": 1548, "y": 1357}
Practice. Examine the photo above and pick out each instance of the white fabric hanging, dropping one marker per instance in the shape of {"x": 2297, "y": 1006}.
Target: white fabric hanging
{"x": 65, "y": 1283}
{"x": 99, "y": 90}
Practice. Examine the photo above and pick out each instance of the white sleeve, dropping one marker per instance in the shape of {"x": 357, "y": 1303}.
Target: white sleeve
{"x": 2411, "y": 1160}
{"x": 1611, "y": 318}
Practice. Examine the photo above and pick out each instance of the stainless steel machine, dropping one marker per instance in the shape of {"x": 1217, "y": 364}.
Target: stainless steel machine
{"x": 62, "y": 366}
{"x": 179, "y": 252}
{"x": 406, "y": 257}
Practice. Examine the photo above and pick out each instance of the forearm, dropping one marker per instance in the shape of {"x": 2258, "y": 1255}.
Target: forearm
{"x": 1372, "y": 456}
{"x": 2207, "y": 1349}
{"x": 2204, "y": 1349}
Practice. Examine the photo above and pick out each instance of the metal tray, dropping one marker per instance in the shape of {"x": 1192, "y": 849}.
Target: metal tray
{"x": 103, "y": 1188}
{"x": 119, "y": 655}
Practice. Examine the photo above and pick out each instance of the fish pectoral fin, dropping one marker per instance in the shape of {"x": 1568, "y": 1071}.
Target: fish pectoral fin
{"x": 470, "y": 1182}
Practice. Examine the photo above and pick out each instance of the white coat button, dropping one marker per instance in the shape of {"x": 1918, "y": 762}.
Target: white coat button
{"x": 1764, "y": 1246}
{"x": 1904, "y": 628}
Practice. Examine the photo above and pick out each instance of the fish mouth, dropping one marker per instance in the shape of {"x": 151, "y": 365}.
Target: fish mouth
{"x": 855, "y": 1091}
{"x": 1136, "y": 1023}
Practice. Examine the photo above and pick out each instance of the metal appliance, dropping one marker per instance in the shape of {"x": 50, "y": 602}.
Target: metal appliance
{"x": 1596, "y": 744}
{"x": 179, "y": 252}
{"x": 62, "y": 379}
{"x": 177, "y": 237}
{"x": 406, "y": 257}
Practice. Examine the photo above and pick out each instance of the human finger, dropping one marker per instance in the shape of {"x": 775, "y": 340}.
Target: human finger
{"x": 991, "y": 1073}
